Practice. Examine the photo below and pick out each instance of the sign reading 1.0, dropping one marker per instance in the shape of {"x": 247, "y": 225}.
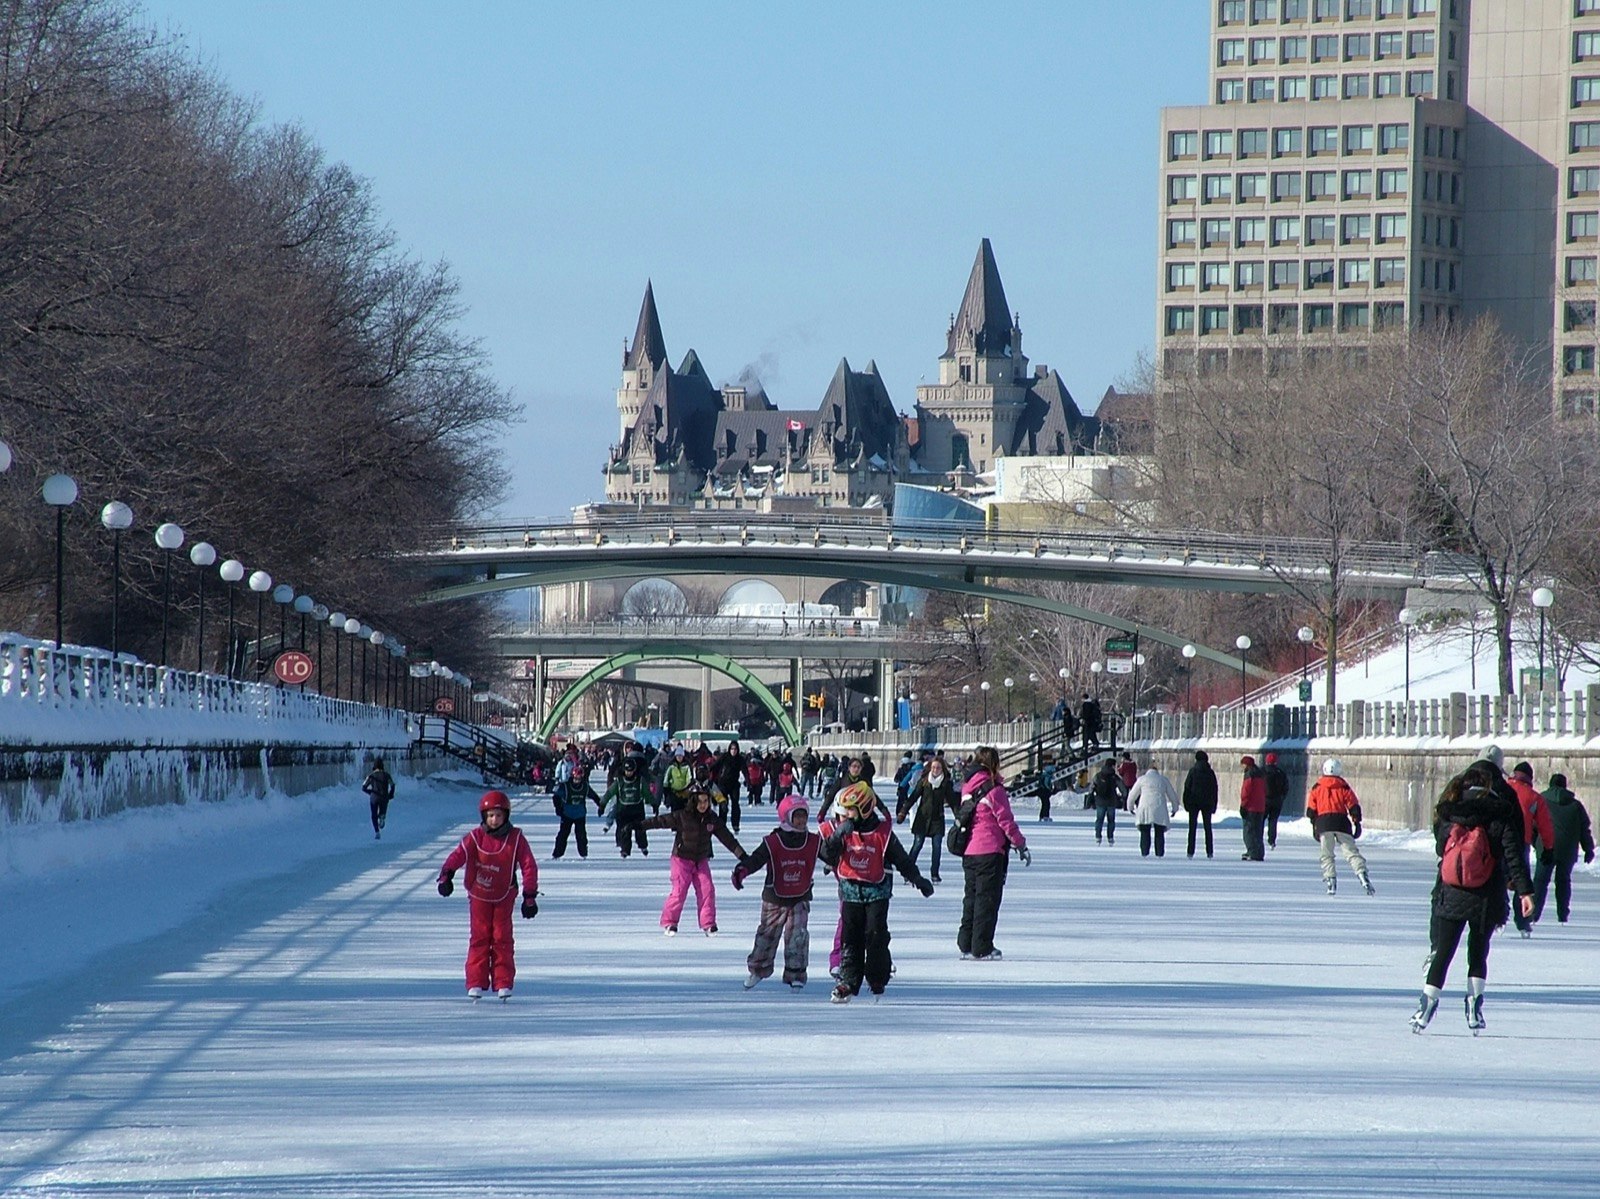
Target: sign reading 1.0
{"x": 1119, "y": 654}
{"x": 293, "y": 667}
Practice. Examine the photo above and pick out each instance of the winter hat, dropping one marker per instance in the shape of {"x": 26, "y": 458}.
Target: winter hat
{"x": 788, "y": 806}
{"x": 1494, "y": 755}
{"x": 1200, "y": 756}
{"x": 1247, "y": 760}
{"x": 1272, "y": 759}
{"x": 1333, "y": 767}
{"x": 1525, "y": 769}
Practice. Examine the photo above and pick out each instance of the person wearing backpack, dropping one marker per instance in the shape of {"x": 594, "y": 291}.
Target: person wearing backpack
{"x": 1335, "y": 815}
{"x": 1477, "y": 833}
{"x": 1109, "y": 793}
{"x": 1572, "y": 832}
{"x": 994, "y": 833}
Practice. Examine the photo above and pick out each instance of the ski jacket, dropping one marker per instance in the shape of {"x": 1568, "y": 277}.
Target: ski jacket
{"x": 692, "y": 833}
{"x": 836, "y": 839}
{"x": 1502, "y": 821}
{"x": 678, "y": 777}
{"x": 1128, "y": 772}
{"x": 755, "y": 774}
{"x": 1571, "y": 823}
{"x": 994, "y": 827}
{"x": 1537, "y": 831}
{"x": 931, "y": 797}
{"x": 634, "y": 792}
{"x": 379, "y": 785}
{"x": 492, "y": 861}
{"x": 1253, "y": 790}
{"x": 1200, "y": 788}
{"x": 1089, "y": 718}
{"x": 1277, "y": 785}
{"x": 729, "y": 769}
{"x": 1332, "y": 806}
{"x": 790, "y": 860}
{"x": 1107, "y": 787}
{"x": 1153, "y": 799}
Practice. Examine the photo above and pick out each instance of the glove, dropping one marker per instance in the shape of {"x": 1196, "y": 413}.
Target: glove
{"x": 1588, "y": 856}
{"x": 530, "y": 907}
{"x": 1547, "y": 858}
{"x": 447, "y": 885}
{"x": 925, "y": 887}
{"x": 738, "y": 878}
{"x": 1027, "y": 858}
{"x": 1355, "y": 832}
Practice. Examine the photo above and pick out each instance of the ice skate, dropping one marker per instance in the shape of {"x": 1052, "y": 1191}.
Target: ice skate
{"x": 474, "y": 993}
{"x": 710, "y": 930}
{"x": 1475, "y": 1021}
{"x": 994, "y": 955}
{"x": 504, "y": 993}
{"x": 751, "y": 980}
{"x": 1366, "y": 885}
{"x": 798, "y": 984}
{"x": 670, "y": 931}
{"x": 1427, "y": 1005}
{"x": 1333, "y": 886}
{"x": 841, "y": 994}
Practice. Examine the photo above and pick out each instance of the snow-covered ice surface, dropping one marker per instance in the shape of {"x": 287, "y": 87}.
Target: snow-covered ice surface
{"x": 258, "y": 999}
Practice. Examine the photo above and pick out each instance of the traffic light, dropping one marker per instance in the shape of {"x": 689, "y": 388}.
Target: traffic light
{"x": 787, "y": 695}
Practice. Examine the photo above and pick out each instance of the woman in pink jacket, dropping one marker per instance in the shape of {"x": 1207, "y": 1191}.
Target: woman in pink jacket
{"x": 994, "y": 832}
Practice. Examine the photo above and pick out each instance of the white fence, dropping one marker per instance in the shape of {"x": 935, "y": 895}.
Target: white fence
{"x": 84, "y": 697}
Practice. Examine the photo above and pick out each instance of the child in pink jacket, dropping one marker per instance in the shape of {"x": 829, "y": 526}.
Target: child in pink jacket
{"x": 492, "y": 854}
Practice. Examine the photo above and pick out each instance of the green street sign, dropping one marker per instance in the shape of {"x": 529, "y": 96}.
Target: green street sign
{"x": 1122, "y": 645}
{"x": 1305, "y": 691}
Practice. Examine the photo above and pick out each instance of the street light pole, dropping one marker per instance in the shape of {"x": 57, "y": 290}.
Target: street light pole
{"x": 260, "y": 583}
{"x": 1242, "y": 644}
{"x": 1094, "y": 669}
{"x": 231, "y": 571}
{"x": 169, "y": 537}
{"x": 966, "y": 691}
{"x": 1189, "y": 652}
{"x": 1008, "y": 683}
{"x": 984, "y": 687}
{"x": 116, "y": 516}
{"x": 1408, "y": 618}
{"x": 1305, "y": 635}
{"x": 203, "y": 554}
{"x": 1543, "y": 597}
{"x": 60, "y": 492}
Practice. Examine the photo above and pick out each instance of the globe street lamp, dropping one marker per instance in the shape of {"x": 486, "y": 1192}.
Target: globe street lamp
{"x": 116, "y": 516}
{"x": 1094, "y": 669}
{"x": 1407, "y": 618}
{"x": 1242, "y": 643}
{"x": 169, "y": 537}
{"x": 1543, "y": 597}
{"x": 966, "y": 690}
{"x": 260, "y": 583}
{"x": 1033, "y": 693}
{"x": 1062, "y": 675}
{"x": 303, "y": 604}
{"x": 60, "y": 492}
{"x": 319, "y": 613}
{"x": 984, "y": 687}
{"x": 377, "y": 640}
{"x": 231, "y": 571}
{"x": 1189, "y": 652}
{"x": 1008, "y": 682}
{"x": 336, "y": 622}
{"x": 1138, "y": 661}
{"x": 283, "y": 596}
{"x": 352, "y": 626}
{"x": 1305, "y": 636}
{"x": 203, "y": 554}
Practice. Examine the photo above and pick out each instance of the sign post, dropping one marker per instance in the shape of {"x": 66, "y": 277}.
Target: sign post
{"x": 293, "y": 668}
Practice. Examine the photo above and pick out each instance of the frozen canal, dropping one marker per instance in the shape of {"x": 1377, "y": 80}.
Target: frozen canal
{"x": 260, "y": 1000}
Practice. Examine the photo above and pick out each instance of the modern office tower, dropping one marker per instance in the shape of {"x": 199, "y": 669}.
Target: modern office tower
{"x": 1371, "y": 164}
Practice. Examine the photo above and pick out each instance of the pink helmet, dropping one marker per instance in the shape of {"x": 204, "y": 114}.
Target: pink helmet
{"x": 788, "y": 806}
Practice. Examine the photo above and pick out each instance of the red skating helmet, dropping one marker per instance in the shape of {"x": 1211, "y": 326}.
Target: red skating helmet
{"x": 492, "y": 800}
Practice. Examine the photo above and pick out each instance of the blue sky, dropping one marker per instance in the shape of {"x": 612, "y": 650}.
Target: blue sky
{"x": 802, "y": 182}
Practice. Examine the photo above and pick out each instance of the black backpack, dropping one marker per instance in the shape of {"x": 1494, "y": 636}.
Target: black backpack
{"x": 960, "y": 834}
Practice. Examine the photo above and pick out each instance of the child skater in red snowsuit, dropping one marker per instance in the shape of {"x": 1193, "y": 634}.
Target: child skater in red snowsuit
{"x": 493, "y": 853}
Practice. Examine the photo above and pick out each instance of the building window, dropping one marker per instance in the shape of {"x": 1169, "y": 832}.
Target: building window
{"x": 1319, "y": 272}
{"x": 1325, "y": 10}
{"x": 1293, "y": 49}
{"x": 1421, "y": 44}
{"x": 1355, "y": 272}
{"x": 1285, "y": 275}
{"x": 1319, "y": 318}
{"x": 1213, "y": 319}
{"x": 1260, "y": 90}
{"x": 1585, "y": 7}
{"x": 1247, "y": 318}
{"x": 1323, "y": 139}
{"x": 1180, "y": 319}
{"x": 1392, "y": 139}
{"x": 1585, "y": 135}
{"x": 1356, "y": 228}
{"x": 1393, "y": 182}
{"x": 1419, "y": 83}
{"x": 1392, "y": 226}
{"x": 1325, "y": 48}
{"x": 1586, "y": 89}
{"x": 1579, "y": 314}
{"x": 1285, "y": 230}
{"x": 1322, "y": 185}
{"x": 1324, "y": 87}
{"x": 1354, "y": 318}
{"x": 1283, "y": 318}
{"x": 1180, "y": 233}
{"x": 1252, "y": 186}
{"x": 1231, "y": 12}
{"x": 1219, "y": 143}
{"x": 1320, "y": 230}
{"x": 1230, "y": 91}
{"x": 1247, "y": 275}
{"x": 1182, "y": 144}
{"x": 1577, "y": 403}
{"x": 1294, "y": 10}
{"x": 1357, "y": 183}
{"x": 1423, "y": 8}
{"x": 1251, "y": 231}
{"x": 1181, "y": 188}
{"x": 1264, "y": 10}
{"x": 1391, "y": 272}
{"x": 1388, "y": 316}
{"x": 1577, "y": 360}
{"x": 1217, "y": 188}
{"x": 1357, "y": 45}
{"x": 1292, "y": 87}
{"x": 1580, "y": 270}
{"x": 1585, "y": 45}
{"x": 1287, "y": 141}
{"x": 1391, "y": 45}
{"x": 1357, "y": 87}
{"x": 1252, "y": 143}
{"x": 1357, "y": 8}
{"x": 1391, "y": 8}
{"x": 1583, "y": 181}
{"x": 1386, "y": 83}
{"x": 1214, "y": 231}
{"x": 1263, "y": 49}
{"x": 1214, "y": 276}
{"x": 1582, "y": 226}
{"x": 1358, "y": 139}
{"x": 1230, "y": 50}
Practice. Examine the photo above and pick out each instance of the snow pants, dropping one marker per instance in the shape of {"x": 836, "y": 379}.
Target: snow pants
{"x": 788, "y": 922}
{"x": 1561, "y": 871}
{"x": 865, "y": 946}
{"x": 1352, "y": 855}
{"x": 1444, "y": 935}
{"x": 567, "y": 826}
{"x": 980, "y": 902}
{"x": 1255, "y": 845}
{"x": 684, "y": 874}
{"x": 630, "y": 830}
{"x": 491, "y": 963}
{"x": 1159, "y": 831}
{"x": 1194, "y": 819}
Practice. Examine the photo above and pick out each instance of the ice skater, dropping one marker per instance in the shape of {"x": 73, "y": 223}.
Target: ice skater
{"x": 1335, "y": 815}
{"x": 380, "y": 790}
{"x": 492, "y": 854}
{"x": 693, "y": 828}
{"x": 789, "y": 854}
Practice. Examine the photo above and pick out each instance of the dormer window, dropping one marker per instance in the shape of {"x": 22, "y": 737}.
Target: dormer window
{"x": 966, "y": 372}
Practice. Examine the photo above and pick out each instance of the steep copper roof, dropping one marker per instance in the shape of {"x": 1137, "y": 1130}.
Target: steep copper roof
{"x": 648, "y": 346}
{"x": 983, "y": 321}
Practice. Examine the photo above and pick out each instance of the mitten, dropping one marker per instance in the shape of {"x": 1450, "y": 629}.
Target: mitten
{"x": 530, "y": 907}
{"x": 447, "y": 884}
{"x": 1355, "y": 831}
{"x": 925, "y": 887}
{"x": 1027, "y": 858}
{"x": 1588, "y": 856}
{"x": 1547, "y": 858}
{"x": 738, "y": 878}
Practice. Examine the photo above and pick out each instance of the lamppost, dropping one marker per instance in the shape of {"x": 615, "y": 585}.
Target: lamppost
{"x": 231, "y": 571}
{"x": 304, "y": 605}
{"x": 1033, "y": 693}
{"x": 872, "y": 707}
{"x": 911, "y": 716}
{"x": 169, "y": 537}
{"x": 984, "y": 687}
{"x": 352, "y": 626}
{"x": 319, "y": 614}
{"x": 377, "y": 640}
{"x": 1407, "y": 618}
{"x": 1189, "y": 652}
{"x": 203, "y": 554}
{"x": 336, "y": 622}
{"x": 1305, "y": 634}
{"x": 260, "y": 583}
{"x": 1062, "y": 675}
{"x": 966, "y": 691}
{"x": 1138, "y": 661}
{"x": 116, "y": 516}
{"x": 1008, "y": 682}
{"x": 60, "y": 492}
{"x": 1094, "y": 669}
{"x": 1543, "y": 597}
{"x": 1242, "y": 643}
{"x": 283, "y": 596}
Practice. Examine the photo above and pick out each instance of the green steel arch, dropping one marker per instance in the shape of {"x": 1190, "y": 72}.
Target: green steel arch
{"x": 677, "y": 653}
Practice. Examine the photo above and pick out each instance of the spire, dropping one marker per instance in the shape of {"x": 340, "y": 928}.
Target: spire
{"x": 984, "y": 317}
{"x": 648, "y": 346}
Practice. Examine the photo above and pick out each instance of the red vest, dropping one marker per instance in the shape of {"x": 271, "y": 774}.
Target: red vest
{"x": 863, "y": 855}
{"x": 792, "y": 869}
{"x": 492, "y": 865}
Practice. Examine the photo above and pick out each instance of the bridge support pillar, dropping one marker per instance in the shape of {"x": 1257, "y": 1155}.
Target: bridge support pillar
{"x": 705, "y": 698}
{"x": 537, "y": 704}
{"x": 885, "y": 705}
{"x": 797, "y": 692}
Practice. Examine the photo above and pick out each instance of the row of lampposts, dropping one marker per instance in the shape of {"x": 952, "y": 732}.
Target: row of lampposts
{"x": 60, "y": 491}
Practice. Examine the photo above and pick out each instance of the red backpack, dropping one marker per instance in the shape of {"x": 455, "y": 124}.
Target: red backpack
{"x": 1468, "y": 860}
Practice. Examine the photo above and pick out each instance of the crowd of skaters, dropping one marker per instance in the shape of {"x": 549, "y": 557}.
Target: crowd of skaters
{"x": 1501, "y": 817}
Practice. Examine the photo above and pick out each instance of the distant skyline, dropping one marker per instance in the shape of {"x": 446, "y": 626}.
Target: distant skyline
{"x": 800, "y": 184}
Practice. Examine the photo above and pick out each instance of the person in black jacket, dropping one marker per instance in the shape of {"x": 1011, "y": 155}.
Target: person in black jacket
{"x": 1089, "y": 722}
{"x": 1200, "y": 797}
{"x": 1277, "y": 792}
{"x": 1471, "y": 801}
{"x": 379, "y": 787}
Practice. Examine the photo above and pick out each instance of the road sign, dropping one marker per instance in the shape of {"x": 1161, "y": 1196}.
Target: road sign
{"x": 1119, "y": 654}
{"x": 1305, "y": 691}
{"x": 444, "y": 705}
{"x": 293, "y": 667}
{"x": 496, "y": 720}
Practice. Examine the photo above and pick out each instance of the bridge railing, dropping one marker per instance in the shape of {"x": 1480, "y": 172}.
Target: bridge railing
{"x": 82, "y": 696}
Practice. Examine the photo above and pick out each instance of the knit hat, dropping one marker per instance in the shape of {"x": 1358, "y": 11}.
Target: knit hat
{"x": 1200, "y": 755}
{"x": 1494, "y": 755}
{"x": 1247, "y": 760}
{"x": 1272, "y": 759}
{"x": 1525, "y": 769}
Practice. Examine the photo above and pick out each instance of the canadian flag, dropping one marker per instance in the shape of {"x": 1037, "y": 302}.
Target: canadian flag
{"x": 795, "y": 426}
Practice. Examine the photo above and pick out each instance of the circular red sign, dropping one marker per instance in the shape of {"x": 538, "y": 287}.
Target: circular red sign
{"x": 444, "y": 705}
{"x": 293, "y": 667}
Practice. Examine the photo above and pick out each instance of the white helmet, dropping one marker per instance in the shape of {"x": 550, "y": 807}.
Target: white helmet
{"x": 1334, "y": 767}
